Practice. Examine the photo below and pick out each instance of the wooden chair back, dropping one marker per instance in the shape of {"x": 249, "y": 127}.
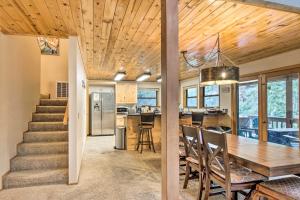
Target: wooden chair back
{"x": 193, "y": 143}
{"x": 197, "y": 118}
{"x": 147, "y": 119}
{"x": 216, "y": 154}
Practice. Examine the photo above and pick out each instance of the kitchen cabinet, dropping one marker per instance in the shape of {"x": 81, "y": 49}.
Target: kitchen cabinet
{"x": 126, "y": 93}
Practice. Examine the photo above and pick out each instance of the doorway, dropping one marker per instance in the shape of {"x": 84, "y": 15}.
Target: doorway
{"x": 283, "y": 109}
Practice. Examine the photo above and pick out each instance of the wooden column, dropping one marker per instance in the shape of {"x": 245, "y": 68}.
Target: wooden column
{"x": 289, "y": 101}
{"x": 234, "y": 109}
{"x": 201, "y": 97}
{"x": 262, "y": 108}
{"x": 170, "y": 98}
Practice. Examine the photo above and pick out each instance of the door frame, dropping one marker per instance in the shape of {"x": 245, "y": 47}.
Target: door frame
{"x": 262, "y": 77}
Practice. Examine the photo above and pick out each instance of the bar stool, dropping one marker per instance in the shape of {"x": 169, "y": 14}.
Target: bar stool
{"x": 197, "y": 118}
{"x": 146, "y": 125}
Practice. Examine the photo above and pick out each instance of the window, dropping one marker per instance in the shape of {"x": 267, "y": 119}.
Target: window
{"x": 49, "y": 46}
{"x": 147, "y": 97}
{"x": 211, "y": 96}
{"x": 248, "y": 109}
{"x": 282, "y": 110}
{"x": 191, "y": 97}
{"x": 268, "y": 107}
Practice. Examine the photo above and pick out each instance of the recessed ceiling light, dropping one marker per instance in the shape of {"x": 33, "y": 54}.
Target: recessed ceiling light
{"x": 143, "y": 77}
{"x": 119, "y": 76}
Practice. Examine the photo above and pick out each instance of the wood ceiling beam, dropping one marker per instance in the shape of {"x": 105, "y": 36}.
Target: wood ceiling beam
{"x": 270, "y": 5}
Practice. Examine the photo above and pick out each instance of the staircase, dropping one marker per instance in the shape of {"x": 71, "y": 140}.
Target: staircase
{"x": 42, "y": 157}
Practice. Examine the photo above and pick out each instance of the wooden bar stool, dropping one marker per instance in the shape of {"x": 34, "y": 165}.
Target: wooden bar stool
{"x": 146, "y": 125}
{"x": 197, "y": 118}
{"x": 279, "y": 189}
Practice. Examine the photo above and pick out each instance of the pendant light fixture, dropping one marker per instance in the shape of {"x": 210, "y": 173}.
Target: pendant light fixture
{"x": 221, "y": 74}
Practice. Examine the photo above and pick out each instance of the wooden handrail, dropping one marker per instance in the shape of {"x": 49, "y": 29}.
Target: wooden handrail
{"x": 66, "y": 115}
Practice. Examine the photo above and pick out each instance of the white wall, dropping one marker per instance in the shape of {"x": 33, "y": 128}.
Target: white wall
{"x": 273, "y": 62}
{"x": 20, "y": 89}
{"x": 77, "y": 109}
{"x": 54, "y": 68}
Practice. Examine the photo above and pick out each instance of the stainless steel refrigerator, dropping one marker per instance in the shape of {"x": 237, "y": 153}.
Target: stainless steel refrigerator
{"x": 102, "y": 112}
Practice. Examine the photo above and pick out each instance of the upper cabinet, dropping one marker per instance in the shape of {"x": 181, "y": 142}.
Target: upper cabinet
{"x": 126, "y": 93}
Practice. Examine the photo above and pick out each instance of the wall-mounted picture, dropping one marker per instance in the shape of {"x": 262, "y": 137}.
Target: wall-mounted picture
{"x": 49, "y": 46}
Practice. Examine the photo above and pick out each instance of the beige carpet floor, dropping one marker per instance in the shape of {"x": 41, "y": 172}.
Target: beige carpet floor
{"x": 107, "y": 174}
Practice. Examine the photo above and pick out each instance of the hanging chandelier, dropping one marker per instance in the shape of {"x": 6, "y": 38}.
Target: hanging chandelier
{"x": 220, "y": 74}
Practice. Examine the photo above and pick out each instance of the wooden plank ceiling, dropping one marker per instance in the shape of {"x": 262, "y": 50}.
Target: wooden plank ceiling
{"x": 125, "y": 34}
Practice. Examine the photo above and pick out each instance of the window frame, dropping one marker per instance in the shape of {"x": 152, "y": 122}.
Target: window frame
{"x": 192, "y": 97}
{"x": 156, "y": 96}
{"x": 212, "y": 95}
{"x": 263, "y": 77}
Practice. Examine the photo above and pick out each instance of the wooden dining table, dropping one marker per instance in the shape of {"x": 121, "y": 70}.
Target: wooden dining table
{"x": 268, "y": 159}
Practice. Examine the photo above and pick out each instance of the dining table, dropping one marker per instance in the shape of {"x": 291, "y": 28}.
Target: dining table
{"x": 266, "y": 158}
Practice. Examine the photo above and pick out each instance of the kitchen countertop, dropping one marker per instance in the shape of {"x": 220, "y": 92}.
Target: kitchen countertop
{"x": 139, "y": 114}
{"x": 185, "y": 113}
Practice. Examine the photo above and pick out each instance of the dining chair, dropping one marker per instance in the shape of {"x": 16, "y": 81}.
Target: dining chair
{"x": 230, "y": 176}
{"x": 287, "y": 188}
{"x": 182, "y": 154}
{"x": 194, "y": 159}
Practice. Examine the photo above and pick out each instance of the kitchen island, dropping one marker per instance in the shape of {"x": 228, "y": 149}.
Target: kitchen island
{"x": 133, "y": 121}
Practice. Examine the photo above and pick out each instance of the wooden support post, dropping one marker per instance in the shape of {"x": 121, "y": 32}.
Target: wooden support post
{"x": 262, "y": 108}
{"x": 289, "y": 101}
{"x": 234, "y": 109}
{"x": 170, "y": 98}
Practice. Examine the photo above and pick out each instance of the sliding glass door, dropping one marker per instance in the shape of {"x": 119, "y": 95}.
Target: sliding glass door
{"x": 248, "y": 109}
{"x": 283, "y": 110}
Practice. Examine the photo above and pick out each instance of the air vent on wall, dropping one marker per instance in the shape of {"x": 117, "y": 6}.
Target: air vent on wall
{"x": 62, "y": 89}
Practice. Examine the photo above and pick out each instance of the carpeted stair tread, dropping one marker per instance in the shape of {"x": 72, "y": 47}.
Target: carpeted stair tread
{"x": 47, "y": 117}
{"x": 53, "y": 102}
{"x": 47, "y": 126}
{"x": 35, "y": 177}
{"x": 50, "y": 109}
{"x": 32, "y": 162}
{"x": 44, "y": 96}
{"x": 42, "y": 148}
{"x": 42, "y": 158}
{"x": 46, "y": 136}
